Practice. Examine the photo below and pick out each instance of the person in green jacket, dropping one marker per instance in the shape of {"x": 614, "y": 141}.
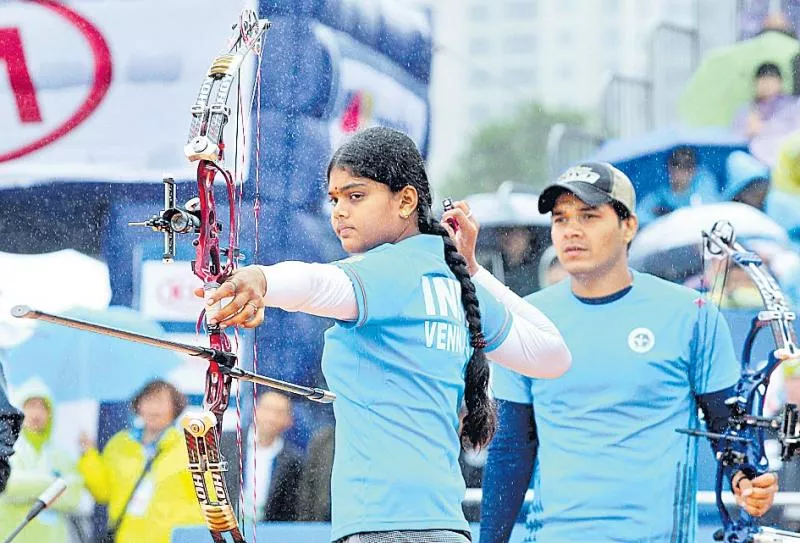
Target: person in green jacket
{"x": 34, "y": 466}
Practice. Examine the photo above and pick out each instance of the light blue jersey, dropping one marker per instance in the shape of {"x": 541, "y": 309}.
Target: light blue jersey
{"x": 398, "y": 373}
{"x": 610, "y": 465}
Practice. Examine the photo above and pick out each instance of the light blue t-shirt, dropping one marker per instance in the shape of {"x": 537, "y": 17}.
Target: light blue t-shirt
{"x": 398, "y": 373}
{"x": 610, "y": 465}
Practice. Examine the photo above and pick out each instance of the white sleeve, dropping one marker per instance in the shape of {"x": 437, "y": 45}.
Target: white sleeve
{"x": 317, "y": 289}
{"x": 534, "y": 346}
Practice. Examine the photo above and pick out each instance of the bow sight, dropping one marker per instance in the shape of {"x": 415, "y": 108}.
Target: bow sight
{"x": 186, "y": 220}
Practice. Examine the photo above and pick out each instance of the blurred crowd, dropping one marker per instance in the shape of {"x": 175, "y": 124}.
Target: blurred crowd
{"x": 140, "y": 474}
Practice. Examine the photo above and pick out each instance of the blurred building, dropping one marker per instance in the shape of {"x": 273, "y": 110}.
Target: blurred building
{"x": 492, "y": 54}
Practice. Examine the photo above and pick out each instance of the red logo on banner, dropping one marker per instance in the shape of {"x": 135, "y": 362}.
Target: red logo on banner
{"x": 13, "y": 53}
{"x": 178, "y": 291}
{"x": 357, "y": 111}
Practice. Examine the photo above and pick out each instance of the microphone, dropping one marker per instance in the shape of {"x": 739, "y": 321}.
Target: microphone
{"x": 45, "y": 500}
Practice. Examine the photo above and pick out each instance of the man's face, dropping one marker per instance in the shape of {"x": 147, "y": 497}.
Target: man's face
{"x": 681, "y": 173}
{"x": 37, "y": 414}
{"x": 754, "y": 195}
{"x": 157, "y": 410}
{"x": 589, "y": 240}
{"x": 768, "y": 86}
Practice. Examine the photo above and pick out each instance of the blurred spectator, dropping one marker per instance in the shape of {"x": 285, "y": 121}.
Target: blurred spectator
{"x": 769, "y": 101}
{"x": 550, "y": 269}
{"x": 141, "y": 473}
{"x": 738, "y": 289}
{"x": 749, "y": 183}
{"x": 784, "y": 388}
{"x": 689, "y": 184}
{"x": 34, "y": 466}
{"x": 748, "y": 180}
{"x": 10, "y": 425}
{"x": 770, "y": 117}
{"x": 786, "y": 173}
{"x": 755, "y": 18}
{"x": 315, "y": 485}
{"x": 273, "y": 465}
{"x": 519, "y": 259}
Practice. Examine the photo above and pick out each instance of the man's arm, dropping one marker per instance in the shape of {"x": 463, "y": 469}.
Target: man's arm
{"x": 762, "y": 489}
{"x": 716, "y": 412}
{"x": 512, "y": 455}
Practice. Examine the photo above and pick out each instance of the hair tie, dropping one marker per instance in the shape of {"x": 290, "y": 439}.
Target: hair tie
{"x": 477, "y": 341}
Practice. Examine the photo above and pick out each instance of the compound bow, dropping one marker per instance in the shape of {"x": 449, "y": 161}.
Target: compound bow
{"x": 742, "y": 443}
{"x": 198, "y": 216}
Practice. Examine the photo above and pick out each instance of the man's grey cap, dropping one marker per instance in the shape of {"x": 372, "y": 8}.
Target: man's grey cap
{"x": 595, "y": 183}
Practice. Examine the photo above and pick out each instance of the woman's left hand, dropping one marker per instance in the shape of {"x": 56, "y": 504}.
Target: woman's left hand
{"x": 465, "y": 235}
{"x": 247, "y": 287}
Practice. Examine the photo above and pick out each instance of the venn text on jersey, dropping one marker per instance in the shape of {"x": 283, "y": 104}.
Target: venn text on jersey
{"x": 448, "y": 331}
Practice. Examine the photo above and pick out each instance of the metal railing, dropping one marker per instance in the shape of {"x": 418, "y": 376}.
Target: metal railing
{"x": 674, "y": 54}
{"x": 567, "y": 145}
{"x": 473, "y": 496}
{"x": 626, "y": 106}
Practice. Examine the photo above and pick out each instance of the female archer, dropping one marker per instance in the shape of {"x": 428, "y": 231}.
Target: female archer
{"x": 409, "y": 344}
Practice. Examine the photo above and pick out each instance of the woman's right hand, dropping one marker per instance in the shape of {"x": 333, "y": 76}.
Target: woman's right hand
{"x": 466, "y": 235}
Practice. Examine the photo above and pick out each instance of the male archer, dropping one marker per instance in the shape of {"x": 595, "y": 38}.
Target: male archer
{"x": 646, "y": 354}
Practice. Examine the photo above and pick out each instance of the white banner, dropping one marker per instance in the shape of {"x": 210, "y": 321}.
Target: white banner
{"x": 102, "y": 90}
{"x": 371, "y": 91}
{"x": 167, "y": 292}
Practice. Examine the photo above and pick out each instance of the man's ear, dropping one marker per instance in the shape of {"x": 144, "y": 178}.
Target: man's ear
{"x": 631, "y": 227}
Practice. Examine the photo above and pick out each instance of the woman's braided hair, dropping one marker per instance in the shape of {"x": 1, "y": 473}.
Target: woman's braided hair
{"x": 390, "y": 157}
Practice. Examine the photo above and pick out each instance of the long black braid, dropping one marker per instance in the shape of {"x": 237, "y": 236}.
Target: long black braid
{"x": 390, "y": 157}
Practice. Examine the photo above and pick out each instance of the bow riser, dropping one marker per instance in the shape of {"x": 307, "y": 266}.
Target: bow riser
{"x": 208, "y": 253}
{"x": 744, "y": 438}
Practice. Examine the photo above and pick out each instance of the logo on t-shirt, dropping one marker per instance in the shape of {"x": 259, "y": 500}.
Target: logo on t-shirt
{"x": 641, "y": 340}
{"x": 445, "y": 330}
